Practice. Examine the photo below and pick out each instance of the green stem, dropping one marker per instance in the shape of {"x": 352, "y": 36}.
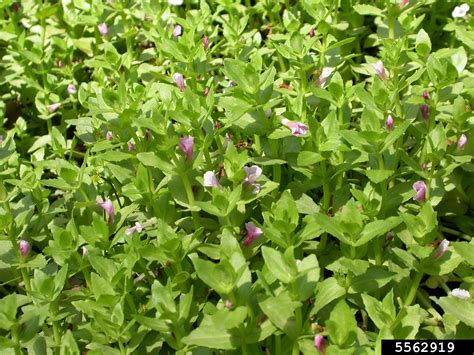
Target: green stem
{"x": 414, "y": 287}
{"x": 190, "y": 195}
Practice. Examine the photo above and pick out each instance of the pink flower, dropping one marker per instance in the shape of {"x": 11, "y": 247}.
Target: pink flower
{"x": 54, "y": 107}
{"x": 442, "y": 248}
{"x": 253, "y": 232}
{"x": 177, "y": 31}
{"x": 380, "y": 70}
{"x": 389, "y": 123}
{"x": 60, "y": 64}
{"x": 460, "y": 293}
{"x": 462, "y": 141}
{"x": 103, "y": 29}
{"x": 403, "y": 3}
{"x": 109, "y": 136}
{"x": 311, "y": 33}
{"x": 420, "y": 189}
{"x": 228, "y": 304}
{"x": 71, "y": 89}
{"x": 425, "y": 112}
{"x": 297, "y": 128}
{"x": 179, "y": 80}
{"x": 325, "y": 74}
{"x": 136, "y": 228}
{"x": 130, "y": 146}
{"x": 210, "y": 180}
{"x": 186, "y": 145}
{"x": 108, "y": 207}
{"x": 319, "y": 344}
{"x": 205, "y": 41}
{"x": 206, "y": 91}
{"x": 252, "y": 173}
{"x": 24, "y": 248}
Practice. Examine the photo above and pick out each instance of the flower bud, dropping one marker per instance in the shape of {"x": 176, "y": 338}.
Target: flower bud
{"x": 389, "y": 123}
{"x": 179, "y": 80}
{"x": 460, "y": 293}
{"x": 205, "y": 41}
{"x": 177, "y": 31}
{"x": 442, "y": 248}
{"x": 462, "y": 141}
{"x": 103, "y": 29}
{"x": 24, "y": 248}
{"x": 420, "y": 189}
{"x": 71, "y": 89}
{"x": 380, "y": 70}
{"x": 311, "y": 33}
{"x": 319, "y": 344}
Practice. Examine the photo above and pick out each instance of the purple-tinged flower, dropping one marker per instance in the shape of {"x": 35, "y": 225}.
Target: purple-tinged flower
{"x": 177, "y": 31}
{"x": 16, "y": 7}
{"x": 252, "y": 173}
{"x": 426, "y": 95}
{"x": 108, "y": 207}
{"x": 179, "y": 80}
{"x": 253, "y": 232}
{"x": 210, "y": 179}
{"x": 389, "y": 123}
{"x": 53, "y": 107}
{"x": 228, "y": 304}
{"x": 136, "y": 228}
{"x": 206, "y": 91}
{"x": 103, "y": 29}
{"x": 71, "y": 89}
{"x": 319, "y": 344}
{"x": 442, "y": 248}
{"x": 175, "y": 2}
{"x": 380, "y": 70}
{"x": 311, "y": 33}
{"x": 297, "y": 128}
{"x": 425, "y": 112}
{"x": 217, "y": 124}
{"x": 460, "y": 11}
{"x": 205, "y": 41}
{"x": 186, "y": 145}
{"x": 1, "y": 139}
{"x": 24, "y": 248}
{"x": 420, "y": 189}
{"x": 325, "y": 74}
{"x": 404, "y": 3}
{"x": 462, "y": 141}
{"x": 460, "y": 293}
{"x": 130, "y": 146}
{"x": 85, "y": 251}
{"x": 109, "y": 136}
{"x": 60, "y": 64}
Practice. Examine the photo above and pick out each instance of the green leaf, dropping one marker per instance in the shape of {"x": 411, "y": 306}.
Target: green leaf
{"x": 243, "y": 74}
{"x": 466, "y": 250}
{"x": 461, "y": 309}
{"x": 367, "y": 10}
{"x": 306, "y": 158}
{"x": 326, "y": 292}
{"x": 280, "y": 310}
{"x": 423, "y": 43}
{"x": 377, "y": 175}
{"x": 277, "y": 265}
{"x": 221, "y": 277}
{"x": 331, "y": 226}
{"x": 152, "y": 160}
{"x": 341, "y": 325}
{"x": 375, "y": 278}
{"x": 376, "y": 229}
{"x": 382, "y": 314}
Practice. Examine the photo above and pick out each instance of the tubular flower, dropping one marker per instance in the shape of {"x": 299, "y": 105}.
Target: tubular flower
{"x": 311, "y": 33}
{"x": 186, "y": 145}
{"x": 460, "y": 293}
{"x": 425, "y": 112}
{"x": 420, "y": 189}
{"x": 442, "y": 248}
{"x": 179, "y": 80}
{"x": 108, "y": 136}
{"x": 103, "y": 29}
{"x": 389, "y": 123}
{"x": 177, "y": 31}
{"x": 319, "y": 344}
{"x": 404, "y": 3}
{"x": 380, "y": 70}
{"x": 71, "y": 89}
{"x": 136, "y": 228}
{"x": 205, "y": 41}
{"x": 130, "y": 146}
{"x": 108, "y": 207}
{"x": 426, "y": 95}
{"x": 462, "y": 141}
{"x": 253, "y": 232}
{"x": 460, "y": 11}
{"x": 297, "y": 128}
{"x": 24, "y": 248}
{"x": 210, "y": 180}
{"x": 252, "y": 173}
{"x": 206, "y": 91}
{"x": 54, "y": 107}
{"x": 325, "y": 74}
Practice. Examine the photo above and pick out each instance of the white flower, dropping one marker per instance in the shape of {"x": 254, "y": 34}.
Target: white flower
{"x": 137, "y": 228}
{"x": 460, "y": 293}
{"x": 210, "y": 180}
{"x": 175, "y": 2}
{"x": 460, "y": 11}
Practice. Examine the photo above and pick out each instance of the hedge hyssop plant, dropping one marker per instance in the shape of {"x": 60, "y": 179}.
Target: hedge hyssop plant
{"x": 214, "y": 177}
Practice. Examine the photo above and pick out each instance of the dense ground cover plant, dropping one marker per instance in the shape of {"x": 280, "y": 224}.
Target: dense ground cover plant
{"x": 272, "y": 176}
